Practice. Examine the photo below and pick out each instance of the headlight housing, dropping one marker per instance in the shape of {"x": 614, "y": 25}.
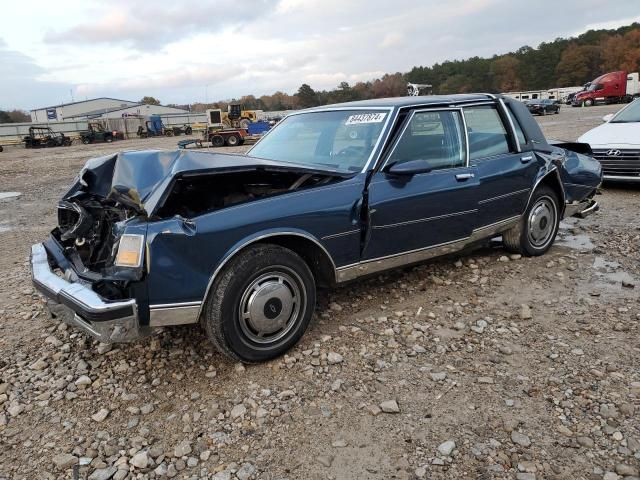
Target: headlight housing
{"x": 130, "y": 251}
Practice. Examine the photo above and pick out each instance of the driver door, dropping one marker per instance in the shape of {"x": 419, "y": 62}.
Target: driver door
{"x": 408, "y": 212}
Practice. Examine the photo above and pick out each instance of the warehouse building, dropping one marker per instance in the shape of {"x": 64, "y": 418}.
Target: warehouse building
{"x": 97, "y": 108}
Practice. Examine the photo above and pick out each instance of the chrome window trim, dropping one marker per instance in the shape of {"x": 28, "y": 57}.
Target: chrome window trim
{"x": 384, "y": 132}
{"x": 514, "y": 134}
{"x": 246, "y": 243}
{"x": 430, "y": 110}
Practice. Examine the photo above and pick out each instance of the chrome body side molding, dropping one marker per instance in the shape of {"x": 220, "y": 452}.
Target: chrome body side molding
{"x": 367, "y": 267}
{"x": 163, "y": 315}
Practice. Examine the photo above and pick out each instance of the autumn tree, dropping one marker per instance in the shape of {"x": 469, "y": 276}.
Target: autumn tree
{"x": 578, "y": 64}
{"x": 505, "y": 73}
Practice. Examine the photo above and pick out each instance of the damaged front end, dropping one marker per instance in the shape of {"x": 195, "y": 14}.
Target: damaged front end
{"x": 124, "y": 216}
{"x": 91, "y": 268}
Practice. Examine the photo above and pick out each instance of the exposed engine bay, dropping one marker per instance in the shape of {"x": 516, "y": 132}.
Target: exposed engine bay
{"x": 90, "y": 225}
{"x": 194, "y": 195}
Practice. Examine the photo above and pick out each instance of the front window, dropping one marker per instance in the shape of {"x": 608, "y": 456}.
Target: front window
{"x": 629, "y": 114}
{"x": 337, "y": 140}
{"x": 434, "y": 136}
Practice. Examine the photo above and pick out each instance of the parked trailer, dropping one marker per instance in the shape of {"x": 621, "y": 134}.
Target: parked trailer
{"x": 558, "y": 94}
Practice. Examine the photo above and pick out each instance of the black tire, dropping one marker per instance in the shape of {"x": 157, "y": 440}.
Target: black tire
{"x": 238, "y": 289}
{"x": 233, "y": 140}
{"x": 86, "y": 140}
{"x": 188, "y": 131}
{"x": 543, "y": 213}
{"x": 108, "y": 139}
{"x": 217, "y": 141}
{"x": 1, "y": 148}
{"x": 588, "y": 102}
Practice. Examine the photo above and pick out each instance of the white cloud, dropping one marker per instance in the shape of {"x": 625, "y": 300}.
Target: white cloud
{"x": 183, "y": 51}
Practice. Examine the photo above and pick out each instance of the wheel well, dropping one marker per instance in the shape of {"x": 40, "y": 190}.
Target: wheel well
{"x": 315, "y": 256}
{"x": 552, "y": 181}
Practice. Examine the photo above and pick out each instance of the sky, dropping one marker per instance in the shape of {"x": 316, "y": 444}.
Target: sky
{"x": 205, "y": 50}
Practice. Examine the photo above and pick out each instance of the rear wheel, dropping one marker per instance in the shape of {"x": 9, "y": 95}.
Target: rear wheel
{"x": 188, "y": 131}
{"x": 261, "y": 304}
{"x": 217, "y": 141}
{"x": 538, "y": 227}
{"x": 86, "y": 140}
{"x": 233, "y": 140}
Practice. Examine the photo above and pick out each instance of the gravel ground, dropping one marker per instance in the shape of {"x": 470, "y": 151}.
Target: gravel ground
{"x": 482, "y": 365}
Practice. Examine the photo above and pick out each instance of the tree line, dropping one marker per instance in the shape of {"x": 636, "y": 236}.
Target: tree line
{"x": 561, "y": 63}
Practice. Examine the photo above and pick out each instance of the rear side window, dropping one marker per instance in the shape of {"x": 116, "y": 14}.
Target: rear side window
{"x": 487, "y": 135}
{"x": 435, "y": 136}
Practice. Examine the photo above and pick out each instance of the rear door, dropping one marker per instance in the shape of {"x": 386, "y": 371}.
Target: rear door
{"x": 506, "y": 172}
{"x": 410, "y": 213}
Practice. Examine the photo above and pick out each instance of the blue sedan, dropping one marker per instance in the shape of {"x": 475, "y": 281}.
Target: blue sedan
{"x": 239, "y": 243}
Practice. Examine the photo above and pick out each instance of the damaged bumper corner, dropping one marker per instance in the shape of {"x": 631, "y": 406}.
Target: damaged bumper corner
{"x": 581, "y": 209}
{"x": 78, "y": 305}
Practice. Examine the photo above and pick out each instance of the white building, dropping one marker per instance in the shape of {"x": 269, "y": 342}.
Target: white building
{"x": 96, "y": 108}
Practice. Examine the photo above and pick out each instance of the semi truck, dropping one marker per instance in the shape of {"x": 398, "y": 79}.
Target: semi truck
{"x": 612, "y": 87}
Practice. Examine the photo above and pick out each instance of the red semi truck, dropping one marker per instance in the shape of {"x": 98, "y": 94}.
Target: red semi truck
{"x": 612, "y": 87}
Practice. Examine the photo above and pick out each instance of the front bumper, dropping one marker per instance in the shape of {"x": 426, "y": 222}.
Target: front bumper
{"x": 581, "y": 209}
{"x": 76, "y": 304}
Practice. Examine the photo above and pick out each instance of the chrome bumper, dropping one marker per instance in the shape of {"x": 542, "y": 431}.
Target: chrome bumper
{"x": 622, "y": 178}
{"x": 581, "y": 209}
{"x": 78, "y": 305}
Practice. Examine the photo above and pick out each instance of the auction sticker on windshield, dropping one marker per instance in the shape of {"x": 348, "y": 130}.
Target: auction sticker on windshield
{"x": 365, "y": 118}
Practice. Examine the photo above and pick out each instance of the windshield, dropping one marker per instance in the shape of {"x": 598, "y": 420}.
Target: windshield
{"x": 629, "y": 114}
{"x": 338, "y": 140}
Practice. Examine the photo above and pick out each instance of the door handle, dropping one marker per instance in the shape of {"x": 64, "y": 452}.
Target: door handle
{"x": 461, "y": 177}
{"x": 526, "y": 159}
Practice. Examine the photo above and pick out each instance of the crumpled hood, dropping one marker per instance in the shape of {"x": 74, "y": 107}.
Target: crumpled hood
{"x": 139, "y": 178}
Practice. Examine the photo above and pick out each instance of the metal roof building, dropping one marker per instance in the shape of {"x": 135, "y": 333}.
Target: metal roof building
{"x": 103, "y": 107}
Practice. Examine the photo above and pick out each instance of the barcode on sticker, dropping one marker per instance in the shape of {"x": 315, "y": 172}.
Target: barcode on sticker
{"x": 365, "y": 118}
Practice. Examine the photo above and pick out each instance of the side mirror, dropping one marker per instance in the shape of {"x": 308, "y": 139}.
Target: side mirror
{"x": 413, "y": 167}
{"x": 607, "y": 117}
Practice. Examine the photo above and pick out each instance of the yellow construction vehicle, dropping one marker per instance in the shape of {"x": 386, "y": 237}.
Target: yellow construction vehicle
{"x": 236, "y": 117}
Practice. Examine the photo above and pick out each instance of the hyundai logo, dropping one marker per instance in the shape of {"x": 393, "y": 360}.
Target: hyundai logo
{"x": 614, "y": 153}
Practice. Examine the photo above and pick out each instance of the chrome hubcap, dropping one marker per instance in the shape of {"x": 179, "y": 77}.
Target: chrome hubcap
{"x": 542, "y": 222}
{"x": 270, "y": 306}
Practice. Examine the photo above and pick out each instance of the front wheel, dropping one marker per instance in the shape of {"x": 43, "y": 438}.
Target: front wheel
{"x": 538, "y": 227}
{"x": 261, "y": 304}
{"x": 588, "y": 103}
{"x": 188, "y": 131}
